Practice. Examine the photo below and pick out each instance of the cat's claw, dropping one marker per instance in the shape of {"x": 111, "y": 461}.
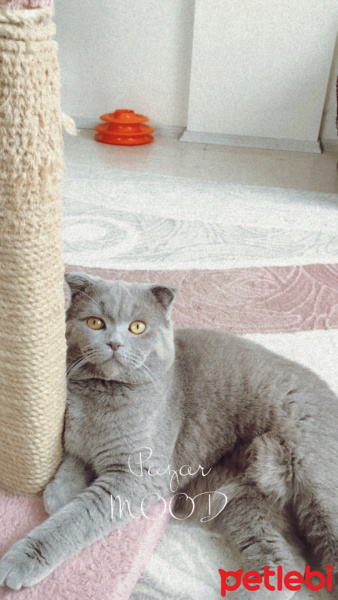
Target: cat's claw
{"x": 23, "y": 565}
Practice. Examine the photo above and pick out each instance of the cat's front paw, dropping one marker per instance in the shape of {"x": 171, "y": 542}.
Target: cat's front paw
{"x": 54, "y": 498}
{"x": 24, "y": 565}
{"x": 58, "y": 493}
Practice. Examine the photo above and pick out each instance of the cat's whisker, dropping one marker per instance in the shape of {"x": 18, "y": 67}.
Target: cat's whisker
{"x": 72, "y": 363}
{"x": 134, "y": 361}
{"x": 87, "y": 357}
{"x": 90, "y": 354}
{"x": 76, "y": 366}
{"x": 154, "y": 380}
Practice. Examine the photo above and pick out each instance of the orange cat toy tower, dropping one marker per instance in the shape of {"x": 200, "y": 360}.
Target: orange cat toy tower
{"x": 125, "y": 128}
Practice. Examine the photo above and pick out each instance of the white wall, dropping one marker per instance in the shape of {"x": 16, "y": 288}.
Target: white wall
{"x": 261, "y": 69}
{"x": 137, "y": 54}
{"x": 132, "y": 54}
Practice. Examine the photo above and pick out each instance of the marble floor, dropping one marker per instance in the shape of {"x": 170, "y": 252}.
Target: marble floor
{"x": 207, "y": 162}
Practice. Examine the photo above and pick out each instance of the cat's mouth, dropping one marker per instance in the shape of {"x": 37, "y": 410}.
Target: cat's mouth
{"x": 108, "y": 366}
{"x": 115, "y": 358}
{"x": 114, "y": 361}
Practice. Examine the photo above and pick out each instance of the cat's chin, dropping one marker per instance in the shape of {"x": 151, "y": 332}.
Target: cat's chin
{"x": 112, "y": 370}
{"x": 109, "y": 370}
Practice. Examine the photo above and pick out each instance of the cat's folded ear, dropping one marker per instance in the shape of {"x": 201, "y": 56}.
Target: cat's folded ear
{"x": 77, "y": 283}
{"x": 164, "y": 295}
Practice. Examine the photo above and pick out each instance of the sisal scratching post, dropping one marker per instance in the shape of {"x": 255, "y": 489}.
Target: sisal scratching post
{"x": 32, "y": 341}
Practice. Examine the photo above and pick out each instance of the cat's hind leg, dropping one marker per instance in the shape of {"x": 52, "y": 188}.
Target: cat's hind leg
{"x": 317, "y": 513}
{"x": 256, "y": 516}
{"x": 315, "y": 500}
{"x": 72, "y": 477}
{"x": 263, "y": 539}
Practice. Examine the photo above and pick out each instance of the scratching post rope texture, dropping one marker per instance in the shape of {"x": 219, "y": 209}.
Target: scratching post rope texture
{"x": 32, "y": 340}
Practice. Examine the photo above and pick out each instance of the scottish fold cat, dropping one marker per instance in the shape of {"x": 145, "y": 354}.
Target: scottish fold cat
{"x": 152, "y": 412}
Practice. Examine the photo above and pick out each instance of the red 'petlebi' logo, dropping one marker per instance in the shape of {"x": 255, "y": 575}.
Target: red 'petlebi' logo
{"x": 252, "y": 580}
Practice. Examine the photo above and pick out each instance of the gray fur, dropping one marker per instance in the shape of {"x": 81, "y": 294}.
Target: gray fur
{"x": 267, "y": 427}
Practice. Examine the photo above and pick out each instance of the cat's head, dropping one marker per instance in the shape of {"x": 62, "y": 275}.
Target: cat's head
{"x": 117, "y": 330}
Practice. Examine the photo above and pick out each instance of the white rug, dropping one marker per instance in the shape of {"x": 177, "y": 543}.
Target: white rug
{"x": 116, "y": 219}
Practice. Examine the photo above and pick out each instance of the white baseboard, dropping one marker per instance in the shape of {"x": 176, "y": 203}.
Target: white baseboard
{"x": 167, "y": 131}
{"x": 184, "y": 135}
{"x": 252, "y": 142}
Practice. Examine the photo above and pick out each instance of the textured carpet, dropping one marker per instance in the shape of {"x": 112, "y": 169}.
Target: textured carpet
{"x": 123, "y": 220}
{"x": 293, "y": 310}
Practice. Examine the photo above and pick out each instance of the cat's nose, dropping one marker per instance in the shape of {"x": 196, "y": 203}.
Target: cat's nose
{"x": 114, "y": 346}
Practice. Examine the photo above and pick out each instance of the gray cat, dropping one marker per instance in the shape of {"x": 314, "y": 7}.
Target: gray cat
{"x": 151, "y": 412}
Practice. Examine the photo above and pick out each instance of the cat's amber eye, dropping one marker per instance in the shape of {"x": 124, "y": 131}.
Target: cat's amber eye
{"x": 137, "y": 327}
{"x": 95, "y": 323}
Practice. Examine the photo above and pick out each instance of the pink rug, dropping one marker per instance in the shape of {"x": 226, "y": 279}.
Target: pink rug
{"x": 254, "y": 300}
{"x": 247, "y": 300}
{"x": 106, "y": 570}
